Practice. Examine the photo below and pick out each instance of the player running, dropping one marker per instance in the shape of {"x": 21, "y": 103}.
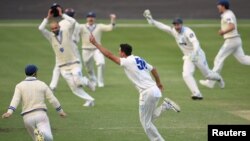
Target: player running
{"x": 139, "y": 72}
{"x": 32, "y": 93}
{"x": 232, "y": 43}
{"x": 75, "y": 39}
{"x": 89, "y": 52}
{"x": 193, "y": 54}
{"x": 66, "y": 59}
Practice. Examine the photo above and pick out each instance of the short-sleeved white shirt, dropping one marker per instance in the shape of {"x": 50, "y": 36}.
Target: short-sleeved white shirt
{"x": 138, "y": 71}
{"x": 226, "y": 18}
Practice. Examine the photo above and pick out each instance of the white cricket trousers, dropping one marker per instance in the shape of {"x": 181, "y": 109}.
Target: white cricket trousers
{"x": 73, "y": 76}
{"x": 55, "y": 78}
{"x": 148, "y": 111}
{"x": 189, "y": 69}
{"x": 230, "y": 46}
{"x": 89, "y": 56}
{"x": 39, "y": 120}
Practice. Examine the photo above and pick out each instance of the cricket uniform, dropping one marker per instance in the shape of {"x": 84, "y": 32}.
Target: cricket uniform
{"x": 32, "y": 94}
{"x": 232, "y": 45}
{"x": 75, "y": 38}
{"x": 66, "y": 59}
{"x": 90, "y": 53}
{"x": 138, "y": 71}
{"x": 193, "y": 57}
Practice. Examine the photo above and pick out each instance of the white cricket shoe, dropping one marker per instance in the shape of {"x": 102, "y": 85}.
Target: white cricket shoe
{"x": 197, "y": 96}
{"x": 207, "y": 83}
{"x": 89, "y": 103}
{"x": 38, "y": 135}
{"x": 100, "y": 85}
{"x": 169, "y": 104}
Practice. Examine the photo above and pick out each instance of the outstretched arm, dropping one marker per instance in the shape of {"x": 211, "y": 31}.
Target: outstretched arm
{"x": 104, "y": 51}
{"x": 112, "y": 19}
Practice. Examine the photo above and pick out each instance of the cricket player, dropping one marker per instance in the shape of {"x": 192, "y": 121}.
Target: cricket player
{"x": 139, "y": 72}
{"x": 193, "y": 54}
{"x": 89, "y": 52}
{"x": 66, "y": 59}
{"x": 232, "y": 43}
{"x": 32, "y": 93}
{"x": 75, "y": 38}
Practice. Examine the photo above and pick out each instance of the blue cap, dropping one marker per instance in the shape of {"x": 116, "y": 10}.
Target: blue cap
{"x": 91, "y": 14}
{"x": 30, "y": 69}
{"x": 223, "y": 3}
{"x": 177, "y": 21}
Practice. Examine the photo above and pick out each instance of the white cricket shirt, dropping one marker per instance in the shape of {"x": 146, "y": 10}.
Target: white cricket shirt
{"x": 96, "y": 30}
{"x": 62, "y": 46}
{"x": 138, "y": 71}
{"x": 226, "y": 18}
{"x": 186, "y": 39}
{"x": 32, "y": 93}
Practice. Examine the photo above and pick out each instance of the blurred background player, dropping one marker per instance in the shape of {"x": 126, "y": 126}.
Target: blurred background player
{"x": 89, "y": 52}
{"x": 32, "y": 93}
{"x": 193, "y": 54}
{"x": 139, "y": 72}
{"x": 232, "y": 43}
{"x": 66, "y": 59}
{"x": 75, "y": 38}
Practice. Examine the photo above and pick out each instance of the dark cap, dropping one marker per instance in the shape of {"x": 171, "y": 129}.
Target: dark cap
{"x": 30, "y": 69}
{"x": 177, "y": 21}
{"x": 70, "y": 12}
{"x": 54, "y": 9}
{"x": 91, "y": 14}
{"x": 223, "y": 3}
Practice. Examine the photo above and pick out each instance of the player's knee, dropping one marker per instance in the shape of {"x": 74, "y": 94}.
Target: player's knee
{"x": 244, "y": 60}
{"x": 101, "y": 64}
{"x": 186, "y": 74}
{"x": 48, "y": 137}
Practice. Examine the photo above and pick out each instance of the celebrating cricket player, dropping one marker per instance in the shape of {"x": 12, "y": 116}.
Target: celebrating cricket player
{"x": 232, "y": 43}
{"x": 193, "y": 54}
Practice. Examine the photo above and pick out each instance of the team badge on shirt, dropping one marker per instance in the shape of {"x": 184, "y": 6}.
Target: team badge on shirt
{"x": 61, "y": 49}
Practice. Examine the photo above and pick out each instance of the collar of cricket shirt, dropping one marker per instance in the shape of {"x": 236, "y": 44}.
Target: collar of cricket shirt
{"x": 91, "y": 28}
{"x": 30, "y": 78}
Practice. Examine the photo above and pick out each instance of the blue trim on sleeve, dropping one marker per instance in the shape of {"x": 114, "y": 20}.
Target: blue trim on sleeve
{"x": 12, "y": 108}
{"x": 59, "y": 108}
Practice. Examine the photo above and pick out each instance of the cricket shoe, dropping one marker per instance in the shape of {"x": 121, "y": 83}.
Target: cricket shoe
{"x": 221, "y": 83}
{"x": 169, "y": 104}
{"x": 206, "y": 83}
{"x": 38, "y": 135}
{"x": 89, "y": 103}
{"x": 197, "y": 97}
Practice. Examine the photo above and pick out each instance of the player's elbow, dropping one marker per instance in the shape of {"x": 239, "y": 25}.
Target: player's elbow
{"x": 40, "y": 28}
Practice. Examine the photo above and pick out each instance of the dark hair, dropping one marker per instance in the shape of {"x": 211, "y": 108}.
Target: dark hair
{"x": 224, "y": 3}
{"x": 126, "y": 48}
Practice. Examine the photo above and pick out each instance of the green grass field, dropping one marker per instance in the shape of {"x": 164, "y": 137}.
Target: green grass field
{"x": 115, "y": 115}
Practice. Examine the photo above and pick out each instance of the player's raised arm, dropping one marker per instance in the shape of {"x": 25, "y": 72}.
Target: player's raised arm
{"x": 104, "y": 51}
{"x": 112, "y": 19}
{"x": 147, "y": 14}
